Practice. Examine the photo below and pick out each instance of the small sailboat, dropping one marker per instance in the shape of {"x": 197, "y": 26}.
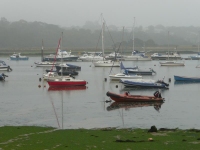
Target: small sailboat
{"x": 196, "y": 57}
{"x": 65, "y": 81}
{"x": 104, "y": 62}
{"x": 136, "y": 55}
{"x": 170, "y": 62}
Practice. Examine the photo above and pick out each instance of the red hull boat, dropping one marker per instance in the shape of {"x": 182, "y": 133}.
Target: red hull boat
{"x": 66, "y": 82}
{"x": 126, "y": 97}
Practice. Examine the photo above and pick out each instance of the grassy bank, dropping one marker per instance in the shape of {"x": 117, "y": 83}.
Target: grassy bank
{"x": 32, "y": 138}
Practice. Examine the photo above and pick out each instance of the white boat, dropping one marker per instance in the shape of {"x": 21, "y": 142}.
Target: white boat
{"x": 53, "y": 75}
{"x": 114, "y": 56}
{"x": 170, "y": 62}
{"x": 61, "y": 54}
{"x": 4, "y": 66}
{"x": 45, "y": 64}
{"x": 91, "y": 57}
{"x": 18, "y": 56}
{"x": 167, "y": 56}
{"x": 104, "y": 62}
{"x": 119, "y": 76}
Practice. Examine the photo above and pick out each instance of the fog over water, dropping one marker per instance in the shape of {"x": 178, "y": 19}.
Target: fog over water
{"x": 68, "y": 13}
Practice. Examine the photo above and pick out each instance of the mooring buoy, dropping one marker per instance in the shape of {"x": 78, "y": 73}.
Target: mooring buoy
{"x": 40, "y": 79}
{"x": 169, "y": 79}
{"x": 105, "y": 79}
{"x": 116, "y": 86}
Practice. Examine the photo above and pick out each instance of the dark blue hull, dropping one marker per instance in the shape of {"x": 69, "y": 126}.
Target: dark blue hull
{"x": 183, "y": 78}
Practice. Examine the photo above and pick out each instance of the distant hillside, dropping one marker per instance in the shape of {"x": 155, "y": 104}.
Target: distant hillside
{"x": 29, "y": 35}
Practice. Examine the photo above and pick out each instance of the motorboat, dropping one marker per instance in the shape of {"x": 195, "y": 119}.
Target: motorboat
{"x": 45, "y": 64}
{"x": 127, "y": 97}
{"x": 53, "y": 75}
{"x": 61, "y": 55}
{"x": 68, "y": 67}
{"x": 2, "y": 77}
{"x": 195, "y": 57}
{"x": 137, "y": 55}
{"x": 61, "y": 82}
{"x": 172, "y": 63}
{"x": 114, "y": 56}
{"x": 185, "y": 78}
{"x": 128, "y": 105}
{"x": 91, "y": 56}
{"x": 18, "y": 56}
{"x": 167, "y": 56}
{"x": 119, "y": 76}
{"x": 4, "y": 66}
{"x": 147, "y": 83}
{"x": 63, "y": 72}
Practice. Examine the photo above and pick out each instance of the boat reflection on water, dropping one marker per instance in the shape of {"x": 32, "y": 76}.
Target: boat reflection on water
{"x": 67, "y": 88}
{"x": 128, "y": 105}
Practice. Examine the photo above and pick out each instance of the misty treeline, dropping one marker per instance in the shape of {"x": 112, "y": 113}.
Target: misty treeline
{"x": 23, "y": 34}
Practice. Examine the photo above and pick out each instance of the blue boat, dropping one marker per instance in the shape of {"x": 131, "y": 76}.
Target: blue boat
{"x": 195, "y": 57}
{"x": 147, "y": 83}
{"x": 185, "y": 78}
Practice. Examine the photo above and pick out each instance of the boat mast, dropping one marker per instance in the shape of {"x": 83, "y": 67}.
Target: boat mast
{"x": 168, "y": 44}
{"x": 102, "y": 35}
{"x": 198, "y": 43}
{"x": 133, "y": 34}
{"x": 42, "y": 52}
{"x": 62, "y": 55}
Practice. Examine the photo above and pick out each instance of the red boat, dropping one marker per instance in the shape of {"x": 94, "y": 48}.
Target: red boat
{"x": 126, "y": 97}
{"x": 66, "y": 82}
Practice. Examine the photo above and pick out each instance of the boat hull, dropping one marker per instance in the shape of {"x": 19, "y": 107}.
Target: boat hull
{"x": 171, "y": 64}
{"x": 19, "y": 58}
{"x": 132, "y": 98}
{"x": 74, "y": 58}
{"x": 183, "y": 78}
{"x": 106, "y": 64}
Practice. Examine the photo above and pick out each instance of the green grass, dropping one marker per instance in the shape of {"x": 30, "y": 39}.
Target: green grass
{"x": 47, "y": 138}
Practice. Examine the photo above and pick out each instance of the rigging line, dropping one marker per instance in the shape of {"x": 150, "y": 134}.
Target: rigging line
{"x": 109, "y": 31}
{"x": 115, "y": 57}
{"x": 56, "y": 54}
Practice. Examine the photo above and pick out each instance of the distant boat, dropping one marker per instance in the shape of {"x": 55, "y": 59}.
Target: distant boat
{"x": 61, "y": 54}
{"x": 61, "y": 82}
{"x": 196, "y": 57}
{"x": 168, "y": 56}
{"x": 44, "y": 64}
{"x": 185, "y": 78}
{"x": 4, "y": 66}
{"x": 170, "y": 62}
{"x": 18, "y": 56}
{"x": 136, "y": 70}
{"x": 126, "y": 97}
{"x": 91, "y": 56}
{"x": 104, "y": 62}
{"x": 119, "y": 76}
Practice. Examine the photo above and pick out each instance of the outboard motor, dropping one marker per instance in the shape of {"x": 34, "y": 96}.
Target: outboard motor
{"x": 157, "y": 94}
{"x": 161, "y": 81}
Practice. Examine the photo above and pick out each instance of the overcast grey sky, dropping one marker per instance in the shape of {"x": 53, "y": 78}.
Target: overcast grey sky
{"x": 116, "y": 12}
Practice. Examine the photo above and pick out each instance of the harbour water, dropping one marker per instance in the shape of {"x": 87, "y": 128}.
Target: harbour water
{"x": 23, "y": 102}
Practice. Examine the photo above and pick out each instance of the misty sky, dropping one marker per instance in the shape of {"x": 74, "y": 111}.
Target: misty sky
{"x": 116, "y": 12}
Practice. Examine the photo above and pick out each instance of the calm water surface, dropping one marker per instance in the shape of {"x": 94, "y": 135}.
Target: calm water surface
{"x": 24, "y": 103}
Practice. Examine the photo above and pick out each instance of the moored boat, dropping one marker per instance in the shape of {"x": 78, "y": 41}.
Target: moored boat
{"x": 147, "y": 83}
{"x": 18, "y": 57}
{"x": 185, "y": 78}
{"x": 4, "y": 66}
{"x": 119, "y": 76}
{"x": 60, "y": 82}
{"x": 45, "y": 64}
{"x": 53, "y": 75}
{"x": 172, "y": 63}
{"x": 126, "y": 97}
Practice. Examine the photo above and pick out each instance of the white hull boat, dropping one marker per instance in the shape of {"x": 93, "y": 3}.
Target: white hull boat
{"x": 53, "y": 76}
{"x": 137, "y": 58}
{"x": 45, "y": 64}
{"x": 172, "y": 63}
{"x": 119, "y": 76}
{"x": 106, "y": 63}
